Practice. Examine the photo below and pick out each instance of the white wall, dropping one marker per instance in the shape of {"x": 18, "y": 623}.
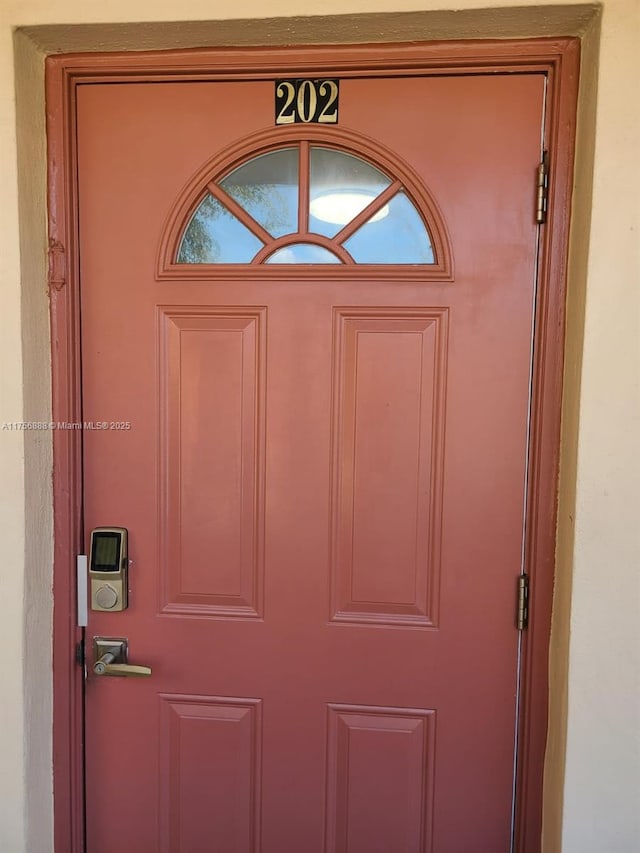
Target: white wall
{"x": 598, "y": 588}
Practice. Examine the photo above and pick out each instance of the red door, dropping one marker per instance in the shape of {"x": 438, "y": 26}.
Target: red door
{"x": 321, "y": 464}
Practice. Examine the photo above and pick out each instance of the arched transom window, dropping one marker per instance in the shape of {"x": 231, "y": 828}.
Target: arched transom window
{"x": 306, "y": 204}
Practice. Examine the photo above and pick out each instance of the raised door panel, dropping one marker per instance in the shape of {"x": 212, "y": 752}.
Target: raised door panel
{"x": 210, "y": 774}
{"x": 380, "y": 779}
{"x": 389, "y": 387}
{"x": 211, "y": 410}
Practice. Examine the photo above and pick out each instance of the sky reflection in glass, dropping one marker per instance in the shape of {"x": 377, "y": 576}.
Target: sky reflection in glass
{"x": 341, "y": 186}
{"x": 398, "y": 238}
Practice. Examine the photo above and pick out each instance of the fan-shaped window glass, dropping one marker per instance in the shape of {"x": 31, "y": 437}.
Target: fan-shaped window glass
{"x": 340, "y": 187}
{"x": 302, "y": 253}
{"x": 267, "y": 188}
{"x": 215, "y": 236}
{"x": 331, "y": 207}
{"x": 395, "y": 235}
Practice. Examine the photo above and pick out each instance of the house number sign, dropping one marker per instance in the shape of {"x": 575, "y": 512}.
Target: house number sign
{"x": 307, "y": 101}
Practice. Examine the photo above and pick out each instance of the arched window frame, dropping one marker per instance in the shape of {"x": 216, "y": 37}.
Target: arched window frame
{"x": 403, "y": 177}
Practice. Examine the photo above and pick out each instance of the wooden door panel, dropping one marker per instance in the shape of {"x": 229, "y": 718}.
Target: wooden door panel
{"x": 210, "y": 773}
{"x": 211, "y": 397}
{"x": 379, "y": 779}
{"x": 389, "y": 370}
{"x": 324, "y": 488}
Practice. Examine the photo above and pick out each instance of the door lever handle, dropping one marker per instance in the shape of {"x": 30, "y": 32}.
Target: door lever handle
{"x": 105, "y": 666}
{"x": 110, "y": 655}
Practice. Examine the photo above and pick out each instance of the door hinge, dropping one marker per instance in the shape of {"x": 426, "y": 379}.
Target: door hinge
{"x": 542, "y": 189}
{"x": 522, "y": 612}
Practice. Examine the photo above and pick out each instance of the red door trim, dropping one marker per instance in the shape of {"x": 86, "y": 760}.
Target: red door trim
{"x": 558, "y": 58}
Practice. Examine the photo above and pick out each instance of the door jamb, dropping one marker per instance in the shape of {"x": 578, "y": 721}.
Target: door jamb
{"x": 559, "y": 59}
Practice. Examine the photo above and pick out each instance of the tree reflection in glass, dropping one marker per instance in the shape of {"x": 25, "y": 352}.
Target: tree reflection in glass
{"x": 267, "y": 190}
{"x": 215, "y": 236}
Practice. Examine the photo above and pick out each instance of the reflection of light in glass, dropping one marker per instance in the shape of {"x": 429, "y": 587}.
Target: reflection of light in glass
{"x": 340, "y": 207}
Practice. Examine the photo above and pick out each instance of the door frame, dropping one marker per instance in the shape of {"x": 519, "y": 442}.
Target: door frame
{"x": 557, "y": 58}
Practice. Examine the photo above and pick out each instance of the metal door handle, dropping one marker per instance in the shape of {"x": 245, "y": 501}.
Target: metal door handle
{"x": 105, "y": 666}
{"x": 110, "y": 655}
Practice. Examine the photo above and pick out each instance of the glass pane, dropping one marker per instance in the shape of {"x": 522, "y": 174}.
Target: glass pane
{"x": 340, "y": 186}
{"x": 397, "y": 235}
{"x": 267, "y": 188}
{"x": 303, "y": 253}
{"x": 215, "y": 236}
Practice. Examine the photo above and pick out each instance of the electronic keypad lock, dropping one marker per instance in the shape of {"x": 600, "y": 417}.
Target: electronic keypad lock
{"x": 108, "y": 568}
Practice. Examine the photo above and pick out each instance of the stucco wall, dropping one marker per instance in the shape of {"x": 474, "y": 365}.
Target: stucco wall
{"x": 595, "y": 660}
